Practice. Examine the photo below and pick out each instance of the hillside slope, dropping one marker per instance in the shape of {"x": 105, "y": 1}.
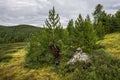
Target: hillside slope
{"x": 111, "y": 42}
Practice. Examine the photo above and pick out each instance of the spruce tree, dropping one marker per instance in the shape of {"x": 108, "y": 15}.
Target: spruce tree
{"x": 100, "y": 30}
{"x": 105, "y": 19}
{"x": 70, "y": 29}
{"x": 79, "y": 23}
{"x": 97, "y": 13}
{"x": 115, "y": 26}
{"x": 90, "y": 36}
{"x": 39, "y": 53}
{"x": 53, "y": 23}
{"x": 78, "y": 32}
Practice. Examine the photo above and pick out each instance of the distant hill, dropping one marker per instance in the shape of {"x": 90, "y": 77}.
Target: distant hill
{"x": 20, "y": 27}
{"x": 18, "y": 33}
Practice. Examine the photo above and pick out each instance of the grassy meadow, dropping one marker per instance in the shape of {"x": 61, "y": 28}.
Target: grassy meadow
{"x": 12, "y": 66}
{"x": 111, "y": 42}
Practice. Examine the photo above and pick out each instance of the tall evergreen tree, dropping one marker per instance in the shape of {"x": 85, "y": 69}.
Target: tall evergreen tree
{"x": 78, "y": 32}
{"x": 90, "y": 36}
{"x": 79, "y": 23}
{"x": 115, "y": 26}
{"x": 105, "y": 19}
{"x": 101, "y": 16}
{"x": 53, "y": 23}
{"x": 100, "y": 30}
{"x": 70, "y": 27}
{"x": 97, "y": 13}
{"x": 38, "y": 53}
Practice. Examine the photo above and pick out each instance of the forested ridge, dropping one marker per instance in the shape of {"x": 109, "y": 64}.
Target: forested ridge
{"x": 18, "y": 33}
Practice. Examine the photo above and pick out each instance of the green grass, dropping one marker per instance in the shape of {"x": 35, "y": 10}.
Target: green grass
{"x": 111, "y": 42}
{"x": 14, "y": 68}
{"x": 104, "y": 66}
{"x": 7, "y": 49}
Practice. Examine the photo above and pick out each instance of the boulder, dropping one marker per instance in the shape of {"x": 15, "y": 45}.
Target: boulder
{"x": 79, "y": 56}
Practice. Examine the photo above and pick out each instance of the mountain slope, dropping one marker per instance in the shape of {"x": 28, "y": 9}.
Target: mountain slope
{"x": 111, "y": 42}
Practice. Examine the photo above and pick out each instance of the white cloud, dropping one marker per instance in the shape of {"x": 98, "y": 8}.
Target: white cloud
{"x": 36, "y": 11}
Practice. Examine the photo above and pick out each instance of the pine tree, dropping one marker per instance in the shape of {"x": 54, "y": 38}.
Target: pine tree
{"x": 97, "y": 13}
{"x": 38, "y": 49}
{"x": 79, "y": 23}
{"x": 117, "y": 16}
{"x": 90, "y": 37}
{"x": 53, "y": 23}
{"x": 105, "y": 19}
{"x": 38, "y": 53}
{"x": 115, "y": 20}
{"x": 70, "y": 27}
{"x": 100, "y": 30}
{"x": 78, "y": 32}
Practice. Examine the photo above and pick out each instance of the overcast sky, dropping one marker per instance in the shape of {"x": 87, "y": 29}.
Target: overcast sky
{"x": 13, "y": 12}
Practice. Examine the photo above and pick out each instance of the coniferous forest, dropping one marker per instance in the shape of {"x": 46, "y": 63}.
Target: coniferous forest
{"x": 25, "y": 50}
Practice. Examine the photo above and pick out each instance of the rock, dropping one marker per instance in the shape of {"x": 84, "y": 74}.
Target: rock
{"x": 84, "y": 57}
{"x": 79, "y": 56}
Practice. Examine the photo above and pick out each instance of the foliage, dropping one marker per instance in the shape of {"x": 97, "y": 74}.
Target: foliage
{"x": 104, "y": 64}
{"x": 100, "y": 30}
{"x": 103, "y": 67}
{"x": 90, "y": 36}
{"x": 109, "y": 21}
{"x": 39, "y": 53}
{"x": 111, "y": 43}
{"x": 70, "y": 27}
{"x": 97, "y": 13}
{"x": 53, "y": 24}
{"x": 18, "y": 33}
{"x": 79, "y": 31}
{"x": 67, "y": 39}
{"x": 105, "y": 19}
{"x": 115, "y": 22}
